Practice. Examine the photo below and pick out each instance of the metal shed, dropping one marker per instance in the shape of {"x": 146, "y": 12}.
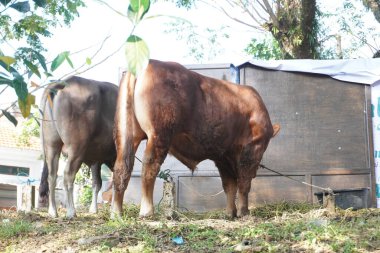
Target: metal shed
{"x": 326, "y": 130}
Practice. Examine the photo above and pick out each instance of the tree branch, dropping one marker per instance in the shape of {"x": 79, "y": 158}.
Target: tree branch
{"x": 269, "y": 10}
{"x": 110, "y": 7}
{"x": 104, "y": 59}
{"x": 220, "y": 8}
{"x": 92, "y": 57}
{"x": 242, "y": 5}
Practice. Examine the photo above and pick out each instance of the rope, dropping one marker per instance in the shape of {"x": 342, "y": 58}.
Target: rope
{"x": 26, "y": 182}
{"x": 200, "y": 194}
{"x": 328, "y": 190}
{"x": 166, "y": 174}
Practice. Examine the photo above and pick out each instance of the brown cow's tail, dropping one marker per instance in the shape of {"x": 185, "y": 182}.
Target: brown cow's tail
{"x": 276, "y": 129}
{"x": 46, "y": 107}
{"x": 124, "y": 129}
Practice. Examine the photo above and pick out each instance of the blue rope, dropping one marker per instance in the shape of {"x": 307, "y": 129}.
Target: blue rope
{"x": 28, "y": 181}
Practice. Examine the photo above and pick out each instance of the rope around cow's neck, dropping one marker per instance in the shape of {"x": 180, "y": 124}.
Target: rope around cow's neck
{"x": 328, "y": 190}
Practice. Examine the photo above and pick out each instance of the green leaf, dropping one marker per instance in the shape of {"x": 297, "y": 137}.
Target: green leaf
{"x": 132, "y": 16}
{"x": 21, "y": 6}
{"x": 58, "y": 60}
{"x": 137, "y": 54}
{"x": 137, "y": 4}
{"x": 40, "y": 3}
{"x": 137, "y": 9}
{"x": 5, "y": 2}
{"x": 7, "y": 67}
{"x": 26, "y": 105}
{"x": 32, "y": 68}
{"x": 20, "y": 86}
{"x": 69, "y": 60}
{"x": 88, "y": 61}
{"x": 7, "y": 60}
{"x": 4, "y": 80}
{"x": 41, "y": 59}
{"x": 10, "y": 117}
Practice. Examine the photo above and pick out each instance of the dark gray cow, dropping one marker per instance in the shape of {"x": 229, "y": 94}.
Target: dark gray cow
{"x": 78, "y": 120}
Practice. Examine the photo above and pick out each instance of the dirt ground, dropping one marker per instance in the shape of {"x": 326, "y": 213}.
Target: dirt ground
{"x": 272, "y": 228}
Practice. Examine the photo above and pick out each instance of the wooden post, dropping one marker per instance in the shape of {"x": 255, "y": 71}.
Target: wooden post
{"x": 25, "y": 197}
{"x": 168, "y": 199}
{"x": 329, "y": 202}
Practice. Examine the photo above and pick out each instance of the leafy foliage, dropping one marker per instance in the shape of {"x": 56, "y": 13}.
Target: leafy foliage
{"x": 30, "y": 128}
{"x": 203, "y": 44}
{"x": 27, "y": 21}
{"x": 351, "y": 24}
{"x": 374, "y": 6}
{"x": 298, "y": 27}
{"x": 85, "y": 195}
{"x": 184, "y": 3}
{"x": 267, "y": 49}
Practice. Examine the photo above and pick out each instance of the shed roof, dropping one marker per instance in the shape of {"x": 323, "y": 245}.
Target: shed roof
{"x": 365, "y": 71}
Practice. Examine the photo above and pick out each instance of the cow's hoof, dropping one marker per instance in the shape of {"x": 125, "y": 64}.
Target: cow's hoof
{"x": 70, "y": 215}
{"x": 93, "y": 210}
{"x": 242, "y": 213}
{"x": 144, "y": 215}
{"x": 115, "y": 215}
{"x": 146, "y": 210}
{"x": 52, "y": 213}
{"x": 43, "y": 202}
{"x": 231, "y": 214}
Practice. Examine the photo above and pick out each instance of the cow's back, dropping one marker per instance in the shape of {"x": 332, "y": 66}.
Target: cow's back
{"x": 84, "y": 114}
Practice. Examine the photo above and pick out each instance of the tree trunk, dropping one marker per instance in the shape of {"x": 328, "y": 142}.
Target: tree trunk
{"x": 308, "y": 47}
{"x": 374, "y": 6}
{"x": 297, "y": 29}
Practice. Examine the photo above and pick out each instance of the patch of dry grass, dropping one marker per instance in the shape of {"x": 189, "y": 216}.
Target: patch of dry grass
{"x": 284, "y": 227}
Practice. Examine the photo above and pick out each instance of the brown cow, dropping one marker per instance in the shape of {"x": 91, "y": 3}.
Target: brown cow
{"x": 78, "y": 120}
{"x": 194, "y": 118}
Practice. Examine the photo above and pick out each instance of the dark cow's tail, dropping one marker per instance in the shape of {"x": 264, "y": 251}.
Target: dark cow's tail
{"x": 123, "y": 132}
{"x": 46, "y": 107}
{"x": 44, "y": 187}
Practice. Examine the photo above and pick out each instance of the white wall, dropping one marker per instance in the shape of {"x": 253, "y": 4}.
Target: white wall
{"x": 24, "y": 158}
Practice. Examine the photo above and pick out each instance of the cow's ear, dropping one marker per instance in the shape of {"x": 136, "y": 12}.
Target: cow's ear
{"x": 276, "y": 129}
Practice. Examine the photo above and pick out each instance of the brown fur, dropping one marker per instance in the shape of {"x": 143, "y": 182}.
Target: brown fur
{"x": 194, "y": 118}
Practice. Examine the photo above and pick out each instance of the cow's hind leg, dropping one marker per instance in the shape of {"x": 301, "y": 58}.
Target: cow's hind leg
{"x": 52, "y": 154}
{"x": 96, "y": 186}
{"x": 230, "y": 188}
{"x": 71, "y": 169}
{"x": 155, "y": 153}
{"x": 122, "y": 172}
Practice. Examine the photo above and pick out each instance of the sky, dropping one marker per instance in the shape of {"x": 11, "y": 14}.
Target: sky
{"x": 98, "y": 22}
{"x": 100, "y": 31}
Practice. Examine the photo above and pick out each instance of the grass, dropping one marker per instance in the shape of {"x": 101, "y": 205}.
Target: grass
{"x": 14, "y": 228}
{"x": 284, "y": 227}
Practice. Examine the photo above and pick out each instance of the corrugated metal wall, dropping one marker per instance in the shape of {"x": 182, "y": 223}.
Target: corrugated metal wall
{"x": 325, "y": 137}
